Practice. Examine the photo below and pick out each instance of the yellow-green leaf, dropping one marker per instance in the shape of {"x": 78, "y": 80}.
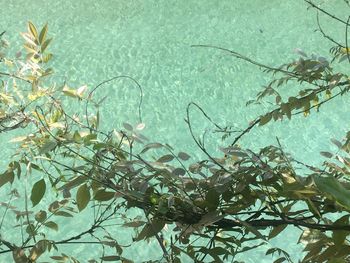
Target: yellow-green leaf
{"x": 46, "y": 57}
{"x": 43, "y": 33}
{"x": 69, "y": 92}
{"x": 334, "y": 189}
{"x": 45, "y": 44}
{"x": 33, "y": 31}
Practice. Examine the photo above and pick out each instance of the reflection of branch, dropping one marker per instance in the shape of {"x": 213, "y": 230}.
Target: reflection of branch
{"x": 198, "y": 143}
{"x": 325, "y": 12}
{"x": 324, "y": 34}
{"x": 19, "y": 116}
{"x": 237, "y": 55}
{"x": 286, "y": 72}
{"x": 109, "y": 80}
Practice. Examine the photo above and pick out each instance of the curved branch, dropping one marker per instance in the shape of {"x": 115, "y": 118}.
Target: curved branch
{"x": 109, "y": 80}
{"x": 325, "y": 12}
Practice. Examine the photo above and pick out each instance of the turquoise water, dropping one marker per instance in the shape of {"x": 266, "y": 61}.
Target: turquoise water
{"x": 150, "y": 41}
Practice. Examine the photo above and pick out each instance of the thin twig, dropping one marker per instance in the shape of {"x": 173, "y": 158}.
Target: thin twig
{"x": 346, "y": 39}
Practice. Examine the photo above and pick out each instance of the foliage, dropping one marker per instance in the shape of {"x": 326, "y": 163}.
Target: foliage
{"x": 217, "y": 208}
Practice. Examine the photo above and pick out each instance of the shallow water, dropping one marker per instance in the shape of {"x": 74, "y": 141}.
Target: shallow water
{"x": 151, "y": 42}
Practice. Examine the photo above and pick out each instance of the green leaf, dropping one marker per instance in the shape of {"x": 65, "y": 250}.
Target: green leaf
{"x": 278, "y": 99}
{"x": 46, "y": 57}
{"x": 280, "y": 260}
{"x": 59, "y": 258}
{"x": 38, "y": 192}
{"x": 339, "y": 236}
{"x": 219, "y": 251}
{"x": 29, "y": 41}
{"x": 183, "y": 156}
{"x": 40, "y": 216}
{"x": 69, "y": 92}
{"x": 127, "y": 126}
{"x": 285, "y": 107}
{"x": 63, "y": 213}
{"x": 276, "y": 231}
{"x": 39, "y": 248}
{"x": 151, "y": 229}
{"x": 30, "y": 230}
{"x": 90, "y": 138}
{"x": 19, "y": 256}
{"x": 51, "y": 225}
{"x": 42, "y": 35}
{"x": 212, "y": 199}
{"x": 326, "y": 154}
{"x": 73, "y": 183}
{"x": 47, "y": 147}
{"x": 252, "y": 229}
{"x": 45, "y": 45}
{"x": 102, "y": 195}
{"x": 83, "y": 197}
{"x": 333, "y": 187}
{"x": 313, "y": 209}
{"x": 337, "y": 260}
{"x": 178, "y": 172}
{"x": 166, "y": 158}
{"x": 134, "y": 224}
{"x": 337, "y": 143}
{"x": 6, "y": 177}
{"x": 265, "y": 119}
{"x": 110, "y": 258}
{"x": 151, "y": 146}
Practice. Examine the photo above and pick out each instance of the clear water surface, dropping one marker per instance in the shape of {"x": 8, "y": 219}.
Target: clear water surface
{"x": 151, "y": 41}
